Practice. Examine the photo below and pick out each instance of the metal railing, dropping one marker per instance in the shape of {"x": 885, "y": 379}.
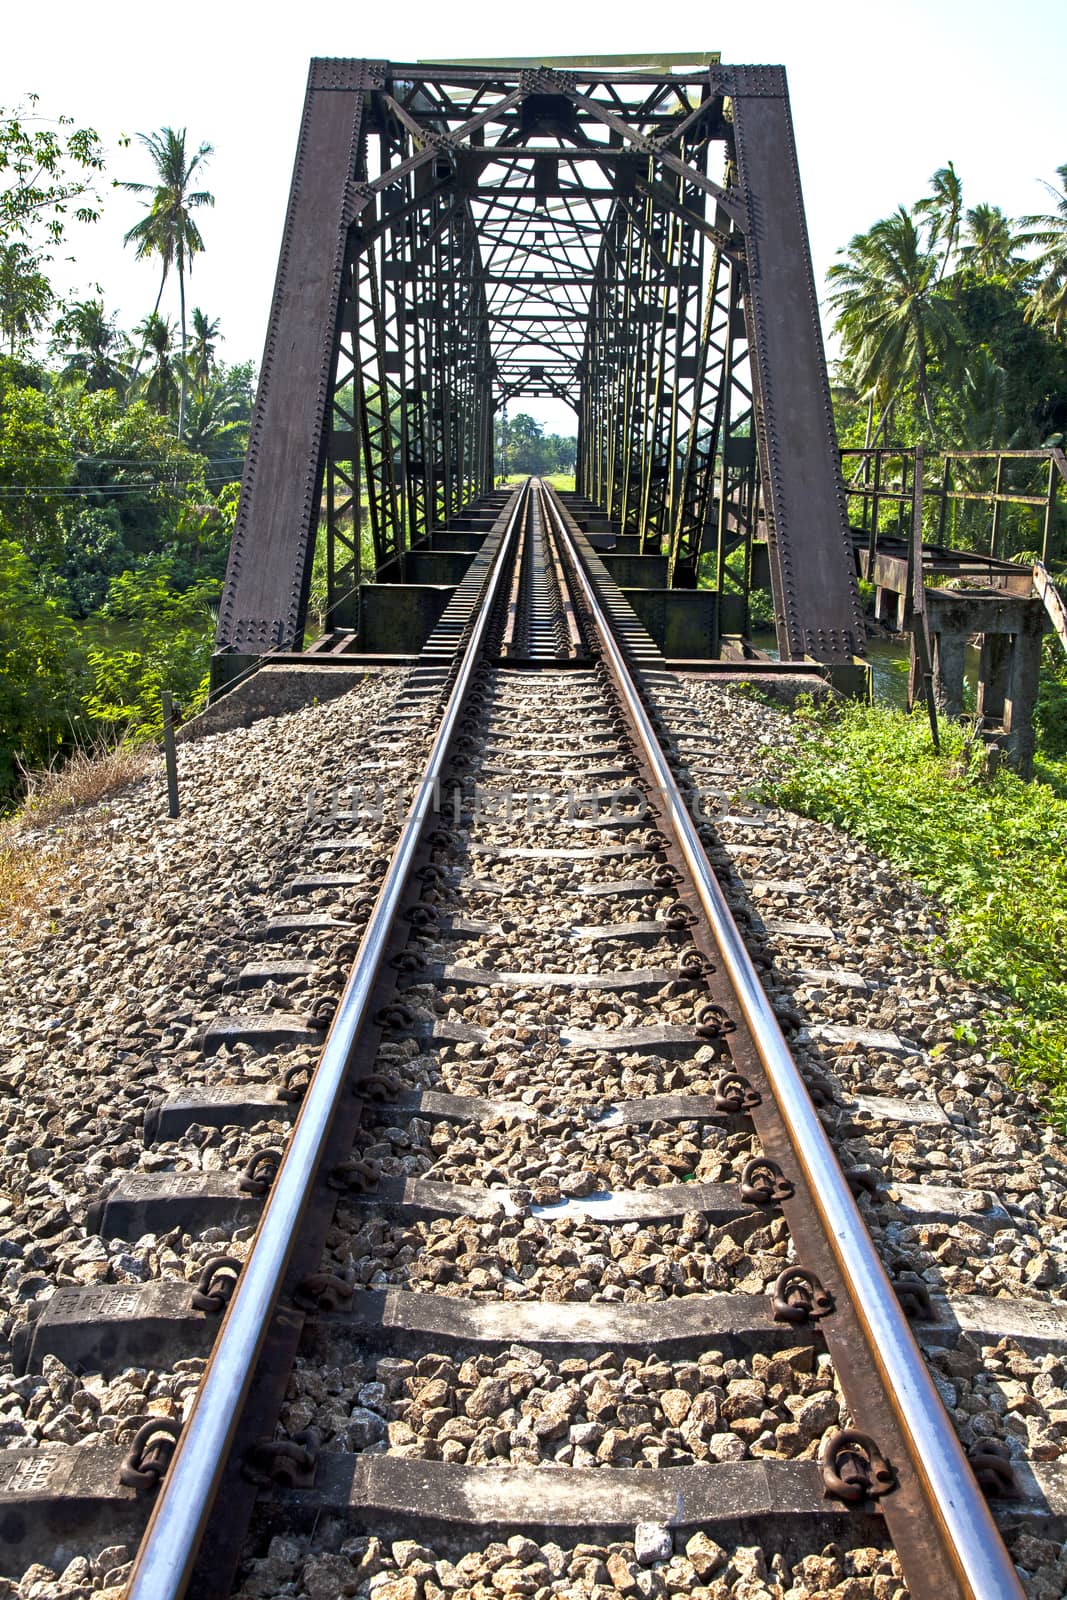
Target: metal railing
{"x": 884, "y": 475}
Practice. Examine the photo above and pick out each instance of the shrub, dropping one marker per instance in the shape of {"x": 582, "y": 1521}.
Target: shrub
{"x": 173, "y": 652}
{"x": 993, "y": 849}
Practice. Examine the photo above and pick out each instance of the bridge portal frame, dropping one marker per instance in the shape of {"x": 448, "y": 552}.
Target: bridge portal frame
{"x": 459, "y": 236}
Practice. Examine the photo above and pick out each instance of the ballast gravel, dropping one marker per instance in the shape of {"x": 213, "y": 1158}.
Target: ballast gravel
{"x": 103, "y": 997}
{"x": 476, "y": 1408}
{"x": 158, "y": 916}
{"x": 557, "y": 1259}
{"x": 654, "y": 1564}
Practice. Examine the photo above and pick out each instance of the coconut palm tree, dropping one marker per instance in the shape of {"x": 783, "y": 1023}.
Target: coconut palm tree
{"x": 202, "y": 355}
{"x": 93, "y": 346}
{"x": 1049, "y": 230}
{"x": 168, "y": 228}
{"x": 891, "y": 321}
{"x": 943, "y": 208}
{"x": 979, "y": 407}
{"x": 990, "y": 244}
{"x": 160, "y": 385}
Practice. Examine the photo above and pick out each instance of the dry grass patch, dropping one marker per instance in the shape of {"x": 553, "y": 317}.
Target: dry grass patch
{"x": 90, "y": 774}
{"x": 34, "y": 853}
{"x": 27, "y": 872}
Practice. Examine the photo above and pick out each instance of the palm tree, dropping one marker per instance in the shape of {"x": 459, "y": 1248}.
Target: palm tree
{"x": 93, "y": 346}
{"x": 25, "y": 295}
{"x": 891, "y": 321}
{"x": 202, "y": 355}
{"x": 944, "y": 208}
{"x": 979, "y": 405}
{"x": 991, "y": 243}
{"x": 216, "y": 422}
{"x": 168, "y": 228}
{"x": 159, "y": 386}
{"x": 1049, "y": 300}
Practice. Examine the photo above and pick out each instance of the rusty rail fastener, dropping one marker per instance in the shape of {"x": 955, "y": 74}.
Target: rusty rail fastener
{"x": 290, "y": 1090}
{"x": 216, "y": 1283}
{"x": 380, "y": 1087}
{"x": 763, "y": 1183}
{"x": 733, "y": 1094}
{"x": 260, "y": 1172}
{"x": 680, "y": 916}
{"x": 290, "y": 1463}
{"x": 861, "y": 1180}
{"x": 320, "y": 1012}
{"x": 914, "y": 1296}
{"x": 145, "y": 1463}
{"x": 798, "y": 1296}
{"x": 714, "y": 1021}
{"x": 992, "y": 1464}
{"x": 325, "y": 1291}
{"x": 356, "y": 1176}
{"x": 693, "y": 964}
{"x": 395, "y": 1016}
{"x": 853, "y": 1467}
{"x": 408, "y": 961}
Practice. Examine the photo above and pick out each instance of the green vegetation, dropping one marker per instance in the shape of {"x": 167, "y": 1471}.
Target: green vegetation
{"x": 992, "y": 848}
{"x": 119, "y": 461}
{"x": 951, "y": 323}
{"x": 523, "y": 448}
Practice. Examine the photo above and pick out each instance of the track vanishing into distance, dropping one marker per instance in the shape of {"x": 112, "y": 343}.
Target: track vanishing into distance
{"x": 557, "y": 1238}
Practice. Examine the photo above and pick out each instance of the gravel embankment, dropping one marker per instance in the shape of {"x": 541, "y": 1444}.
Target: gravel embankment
{"x": 102, "y": 1001}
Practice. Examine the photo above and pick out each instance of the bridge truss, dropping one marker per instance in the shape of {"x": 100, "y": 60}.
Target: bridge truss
{"x": 460, "y": 238}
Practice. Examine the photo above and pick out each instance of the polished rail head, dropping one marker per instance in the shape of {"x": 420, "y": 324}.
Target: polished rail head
{"x": 969, "y": 1534}
{"x": 169, "y": 1548}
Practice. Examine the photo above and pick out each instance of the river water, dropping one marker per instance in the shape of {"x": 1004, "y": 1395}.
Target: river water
{"x": 889, "y": 667}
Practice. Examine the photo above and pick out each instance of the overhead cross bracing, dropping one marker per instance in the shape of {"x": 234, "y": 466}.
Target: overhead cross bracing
{"x": 462, "y": 238}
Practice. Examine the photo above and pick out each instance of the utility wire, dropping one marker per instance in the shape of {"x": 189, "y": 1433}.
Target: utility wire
{"x": 84, "y": 457}
{"x": 107, "y": 491}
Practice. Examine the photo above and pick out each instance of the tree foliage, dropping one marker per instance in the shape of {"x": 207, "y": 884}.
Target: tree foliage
{"x": 951, "y": 321}
{"x": 45, "y": 169}
{"x": 168, "y": 229}
{"x": 38, "y": 667}
{"x": 523, "y": 446}
{"x": 1049, "y": 232}
{"x": 25, "y": 295}
{"x": 91, "y": 347}
{"x": 172, "y": 652}
{"x": 893, "y": 322}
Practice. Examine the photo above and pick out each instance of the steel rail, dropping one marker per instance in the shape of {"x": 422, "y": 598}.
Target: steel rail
{"x": 509, "y": 645}
{"x": 172, "y": 1539}
{"x": 969, "y": 1534}
{"x": 574, "y": 633}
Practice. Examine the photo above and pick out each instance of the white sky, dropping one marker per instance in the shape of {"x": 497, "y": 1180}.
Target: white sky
{"x": 881, "y": 96}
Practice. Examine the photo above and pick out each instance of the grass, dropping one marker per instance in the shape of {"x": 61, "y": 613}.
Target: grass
{"x": 89, "y": 774}
{"x": 992, "y": 848}
{"x": 563, "y": 481}
{"x": 34, "y": 853}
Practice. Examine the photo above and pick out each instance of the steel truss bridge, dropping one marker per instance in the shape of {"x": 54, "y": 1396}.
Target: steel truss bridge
{"x": 464, "y": 237}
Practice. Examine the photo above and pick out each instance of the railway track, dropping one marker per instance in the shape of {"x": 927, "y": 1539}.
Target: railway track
{"x": 556, "y": 1283}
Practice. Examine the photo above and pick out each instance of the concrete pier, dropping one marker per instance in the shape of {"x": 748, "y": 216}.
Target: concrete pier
{"x": 1009, "y": 629}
